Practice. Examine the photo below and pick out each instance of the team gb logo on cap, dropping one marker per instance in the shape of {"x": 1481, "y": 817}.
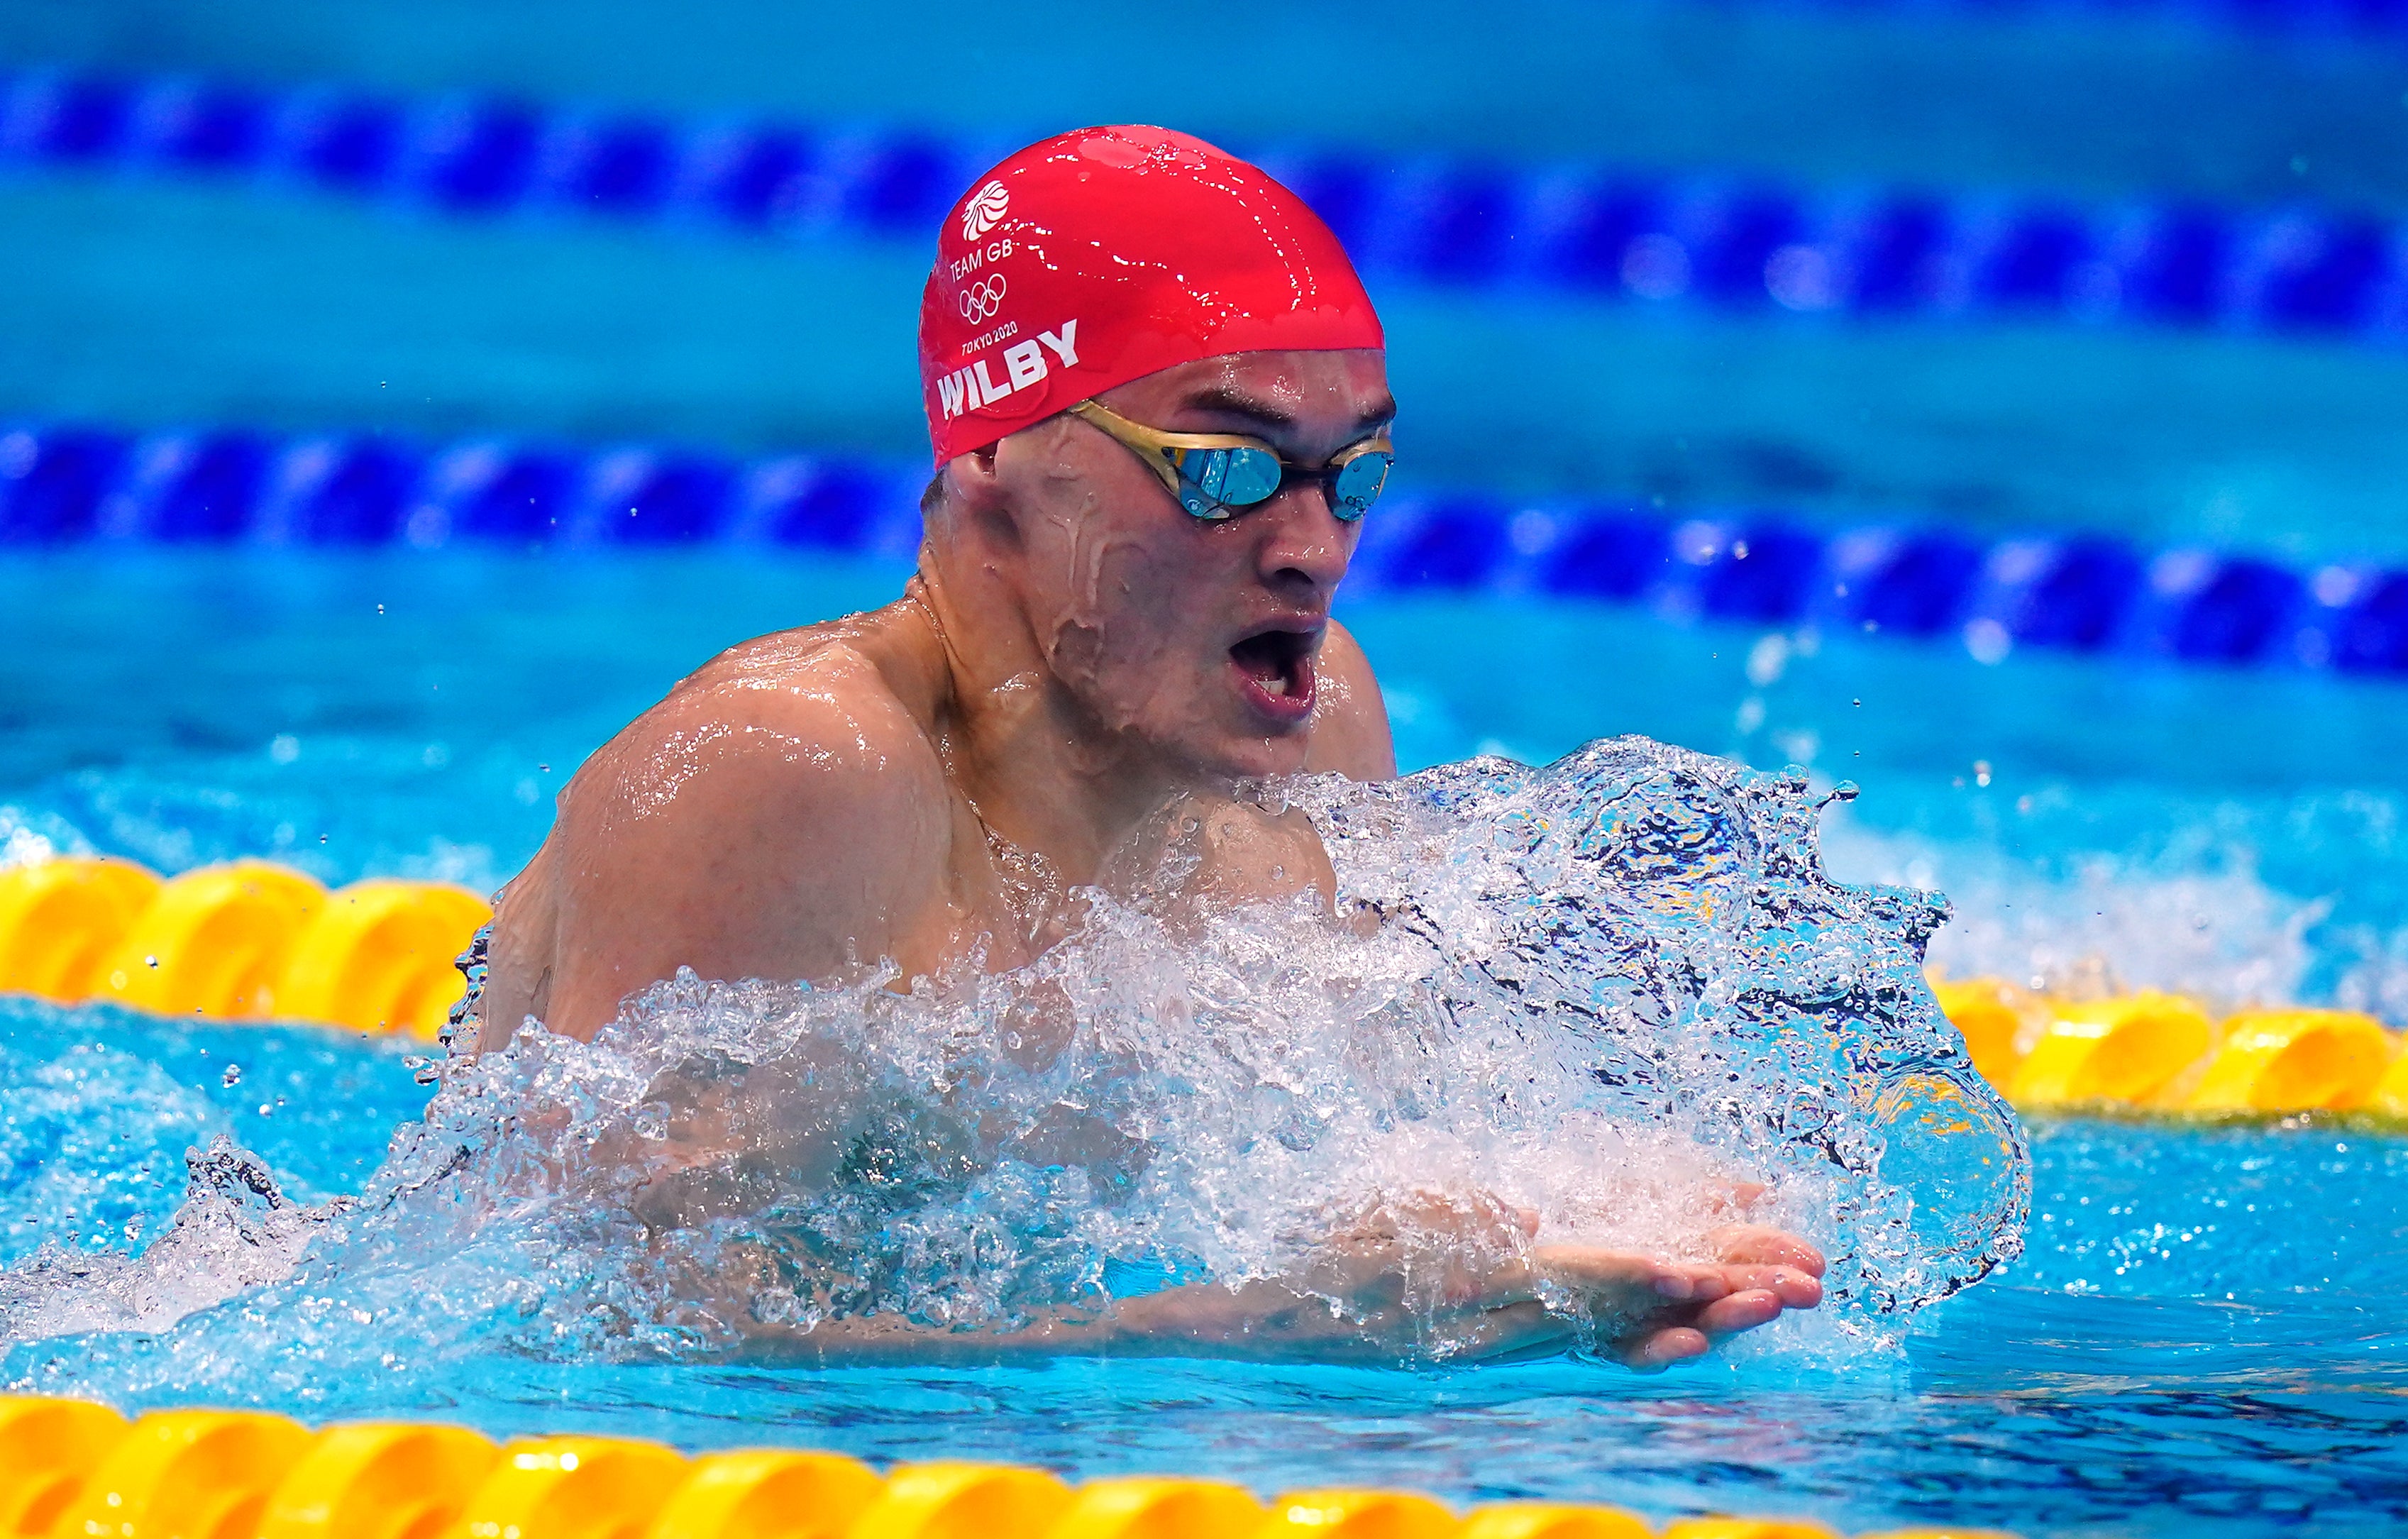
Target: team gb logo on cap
{"x": 985, "y": 210}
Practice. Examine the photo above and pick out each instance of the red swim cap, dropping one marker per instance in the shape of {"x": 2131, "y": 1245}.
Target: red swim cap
{"x": 1093, "y": 259}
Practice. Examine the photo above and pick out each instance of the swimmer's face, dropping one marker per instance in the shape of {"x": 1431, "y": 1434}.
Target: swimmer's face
{"x": 1199, "y": 638}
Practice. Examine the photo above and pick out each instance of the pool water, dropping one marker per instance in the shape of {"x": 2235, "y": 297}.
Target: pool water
{"x": 2203, "y": 1335}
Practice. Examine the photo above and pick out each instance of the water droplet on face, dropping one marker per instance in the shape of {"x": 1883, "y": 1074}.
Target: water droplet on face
{"x": 231, "y": 1077}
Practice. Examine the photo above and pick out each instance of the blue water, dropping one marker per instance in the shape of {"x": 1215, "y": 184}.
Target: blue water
{"x": 2203, "y": 1335}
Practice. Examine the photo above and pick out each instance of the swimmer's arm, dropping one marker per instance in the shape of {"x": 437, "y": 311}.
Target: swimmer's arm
{"x": 742, "y": 832}
{"x": 1646, "y": 1312}
{"x": 1350, "y": 720}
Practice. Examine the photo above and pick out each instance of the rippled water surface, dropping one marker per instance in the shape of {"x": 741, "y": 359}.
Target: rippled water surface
{"x": 2203, "y": 1334}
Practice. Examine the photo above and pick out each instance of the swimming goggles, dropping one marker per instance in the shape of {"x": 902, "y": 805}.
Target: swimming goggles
{"x": 1215, "y": 475}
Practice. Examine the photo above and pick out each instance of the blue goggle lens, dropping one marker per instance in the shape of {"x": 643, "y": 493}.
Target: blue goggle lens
{"x": 1357, "y": 485}
{"x": 1214, "y": 482}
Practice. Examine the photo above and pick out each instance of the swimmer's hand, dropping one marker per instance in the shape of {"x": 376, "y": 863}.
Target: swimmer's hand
{"x": 1384, "y": 1290}
{"x": 1653, "y": 1313}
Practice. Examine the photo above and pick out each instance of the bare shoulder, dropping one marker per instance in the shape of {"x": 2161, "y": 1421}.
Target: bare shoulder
{"x": 783, "y": 812}
{"x": 1350, "y": 721}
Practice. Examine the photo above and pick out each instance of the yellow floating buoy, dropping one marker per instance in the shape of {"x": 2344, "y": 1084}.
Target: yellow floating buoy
{"x": 212, "y": 942}
{"x": 378, "y": 957}
{"x": 2390, "y": 1096}
{"x": 61, "y": 918}
{"x": 1149, "y": 1508}
{"x": 572, "y": 1488}
{"x": 1346, "y": 1513}
{"x": 946, "y": 1498}
{"x": 379, "y": 1480}
{"x": 2127, "y": 1049}
{"x": 2295, "y": 1060}
{"x": 769, "y": 1494}
{"x": 203, "y": 1475}
{"x": 47, "y": 1449}
{"x": 2000, "y": 1022}
{"x": 1748, "y": 1528}
{"x": 1552, "y": 1521}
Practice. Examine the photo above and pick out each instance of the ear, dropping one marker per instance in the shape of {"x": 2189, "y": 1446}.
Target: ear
{"x": 979, "y": 506}
{"x": 977, "y": 483}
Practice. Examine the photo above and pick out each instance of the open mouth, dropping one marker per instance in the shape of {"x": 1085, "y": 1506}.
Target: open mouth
{"x": 1275, "y": 667}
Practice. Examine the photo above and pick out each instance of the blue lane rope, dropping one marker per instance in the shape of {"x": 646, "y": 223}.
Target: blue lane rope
{"x": 70, "y": 485}
{"x": 1728, "y": 243}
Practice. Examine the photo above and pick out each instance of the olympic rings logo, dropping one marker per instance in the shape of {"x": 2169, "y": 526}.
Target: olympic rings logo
{"x": 981, "y": 300}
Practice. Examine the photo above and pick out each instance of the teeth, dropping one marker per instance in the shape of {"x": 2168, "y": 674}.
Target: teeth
{"x": 1275, "y": 684}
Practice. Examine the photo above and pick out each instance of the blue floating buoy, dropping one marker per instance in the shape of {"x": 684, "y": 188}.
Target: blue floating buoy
{"x": 832, "y": 510}
{"x": 901, "y": 184}
{"x": 1922, "y": 588}
{"x": 205, "y": 127}
{"x": 679, "y": 499}
{"x": 348, "y": 143}
{"x": 1585, "y": 248}
{"x": 2373, "y": 632}
{"x": 2326, "y": 277}
{"x": 2083, "y": 599}
{"x": 1737, "y": 239}
{"x": 349, "y": 493}
{"x": 748, "y": 177}
{"x": 1768, "y": 573}
{"x": 2032, "y": 264}
{"x": 1609, "y": 555}
{"x": 211, "y": 492}
{"x": 478, "y": 157}
{"x": 1455, "y": 546}
{"x": 1896, "y": 252}
{"x": 74, "y": 117}
{"x": 522, "y": 498}
{"x": 2179, "y": 271}
{"x": 1458, "y": 224}
{"x": 2237, "y": 614}
{"x": 621, "y": 167}
{"x": 51, "y": 482}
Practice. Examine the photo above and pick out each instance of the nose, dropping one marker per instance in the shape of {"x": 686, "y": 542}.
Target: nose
{"x": 1301, "y": 548}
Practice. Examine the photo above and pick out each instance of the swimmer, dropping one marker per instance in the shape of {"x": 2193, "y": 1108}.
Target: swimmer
{"x": 1159, "y": 403}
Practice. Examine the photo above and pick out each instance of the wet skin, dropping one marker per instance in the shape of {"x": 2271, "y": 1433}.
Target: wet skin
{"x": 1075, "y": 656}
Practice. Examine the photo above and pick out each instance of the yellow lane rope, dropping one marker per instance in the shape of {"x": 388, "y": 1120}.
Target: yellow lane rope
{"x": 74, "y": 1470}
{"x": 255, "y": 940}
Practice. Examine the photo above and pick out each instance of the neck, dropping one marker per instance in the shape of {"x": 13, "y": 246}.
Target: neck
{"x": 1041, "y": 771}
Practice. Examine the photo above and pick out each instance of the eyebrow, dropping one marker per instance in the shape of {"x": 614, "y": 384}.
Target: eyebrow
{"x": 1221, "y": 397}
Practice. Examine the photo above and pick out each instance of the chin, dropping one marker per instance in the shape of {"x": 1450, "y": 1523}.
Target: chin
{"x": 1245, "y": 758}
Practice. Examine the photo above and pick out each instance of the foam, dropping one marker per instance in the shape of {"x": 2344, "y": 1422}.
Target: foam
{"x": 1602, "y": 992}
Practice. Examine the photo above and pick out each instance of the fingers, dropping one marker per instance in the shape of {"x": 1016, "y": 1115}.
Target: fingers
{"x": 1764, "y": 1246}
{"x": 1653, "y": 1351}
{"x": 1738, "y": 1311}
{"x": 1793, "y": 1287}
{"x": 1660, "y": 1349}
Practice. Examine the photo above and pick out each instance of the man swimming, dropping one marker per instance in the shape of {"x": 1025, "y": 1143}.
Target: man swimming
{"x": 1158, "y": 398}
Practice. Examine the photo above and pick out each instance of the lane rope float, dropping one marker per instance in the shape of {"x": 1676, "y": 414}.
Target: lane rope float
{"x": 73, "y": 1470}
{"x": 249, "y": 940}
